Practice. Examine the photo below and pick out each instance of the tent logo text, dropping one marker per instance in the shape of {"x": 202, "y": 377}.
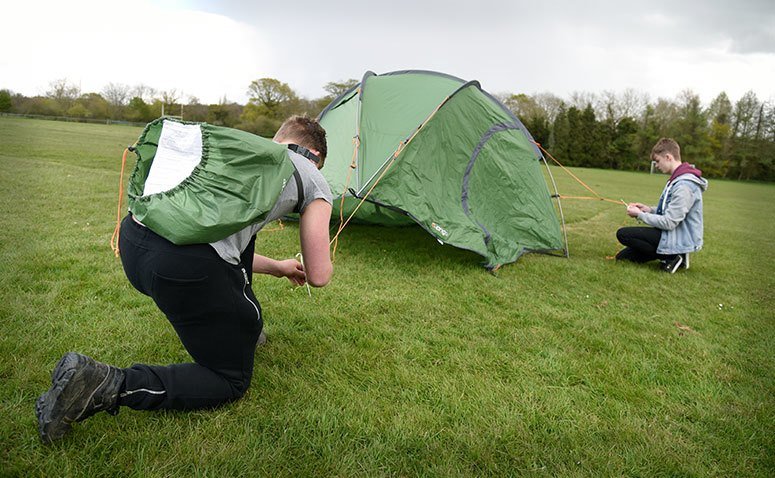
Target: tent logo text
{"x": 440, "y": 229}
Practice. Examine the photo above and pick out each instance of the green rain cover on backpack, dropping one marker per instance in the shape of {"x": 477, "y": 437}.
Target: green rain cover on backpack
{"x": 198, "y": 183}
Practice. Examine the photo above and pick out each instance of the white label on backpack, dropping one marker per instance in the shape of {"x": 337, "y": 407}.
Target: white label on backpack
{"x": 179, "y": 152}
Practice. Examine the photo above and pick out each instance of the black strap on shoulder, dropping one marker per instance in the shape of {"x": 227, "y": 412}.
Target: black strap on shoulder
{"x": 304, "y": 152}
{"x": 300, "y": 187}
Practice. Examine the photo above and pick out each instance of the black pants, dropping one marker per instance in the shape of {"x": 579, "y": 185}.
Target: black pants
{"x": 640, "y": 244}
{"x": 211, "y": 306}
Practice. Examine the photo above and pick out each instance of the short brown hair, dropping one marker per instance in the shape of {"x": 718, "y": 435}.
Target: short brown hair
{"x": 666, "y": 145}
{"x": 305, "y": 132}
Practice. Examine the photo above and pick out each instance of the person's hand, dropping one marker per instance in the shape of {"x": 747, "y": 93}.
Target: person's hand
{"x": 293, "y": 270}
{"x": 642, "y": 207}
{"x": 633, "y": 210}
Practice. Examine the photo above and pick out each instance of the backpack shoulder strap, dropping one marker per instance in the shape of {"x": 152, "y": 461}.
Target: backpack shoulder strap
{"x": 304, "y": 152}
{"x": 300, "y": 188}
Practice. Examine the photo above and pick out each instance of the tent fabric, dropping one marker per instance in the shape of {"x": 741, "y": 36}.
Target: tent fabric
{"x": 442, "y": 153}
{"x": 232, "y": 179}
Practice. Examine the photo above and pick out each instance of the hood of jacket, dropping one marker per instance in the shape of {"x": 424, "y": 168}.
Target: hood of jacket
{"x": 687, "y": 172}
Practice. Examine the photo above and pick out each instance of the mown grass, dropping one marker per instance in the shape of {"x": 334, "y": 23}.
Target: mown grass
{"x": 415, "y": 361}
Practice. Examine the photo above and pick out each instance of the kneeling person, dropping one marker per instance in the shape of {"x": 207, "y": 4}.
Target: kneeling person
{"x": 205, "y": 292}
{"x": 676, "y": 220}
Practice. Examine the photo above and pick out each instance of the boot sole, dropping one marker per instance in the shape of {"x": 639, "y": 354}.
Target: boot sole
{"x": 52, "y": 425}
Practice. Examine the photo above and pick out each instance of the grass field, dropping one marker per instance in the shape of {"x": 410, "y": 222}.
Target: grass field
{"x": 414, "y": 361}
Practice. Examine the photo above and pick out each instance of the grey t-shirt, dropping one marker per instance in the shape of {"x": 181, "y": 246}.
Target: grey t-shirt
{"x": 315, "y": 187}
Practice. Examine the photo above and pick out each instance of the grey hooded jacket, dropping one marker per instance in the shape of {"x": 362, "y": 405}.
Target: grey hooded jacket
{"x": 679, "y": 215}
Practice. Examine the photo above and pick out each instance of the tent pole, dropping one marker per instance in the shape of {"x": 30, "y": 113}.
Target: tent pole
{"x": 358, "y": 137}
{"x": 559, "y": 205}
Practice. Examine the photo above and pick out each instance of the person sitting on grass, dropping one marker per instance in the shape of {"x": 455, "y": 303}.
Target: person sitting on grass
{"x": 205, "y": 292}
{"x": 676, "y": 221}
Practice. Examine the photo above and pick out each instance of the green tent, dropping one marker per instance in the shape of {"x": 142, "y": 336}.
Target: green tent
{"x": 430, "y": 148}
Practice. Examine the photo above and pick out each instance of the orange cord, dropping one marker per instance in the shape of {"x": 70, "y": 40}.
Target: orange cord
{"x": 117, "y": 231}
{"x": 566, "y": 170}
{"x": 593, "y": 199}
{"x": 597, "y": 196}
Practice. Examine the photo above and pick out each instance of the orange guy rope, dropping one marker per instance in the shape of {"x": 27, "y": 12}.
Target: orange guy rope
{"x": 597, "y": 197}
{"x": 589, "y": 198}
{"x": 117, "y": 231}
{"x": 566, "y": 169}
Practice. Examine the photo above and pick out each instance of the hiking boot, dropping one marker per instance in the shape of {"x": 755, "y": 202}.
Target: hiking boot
{"x": 672, "y": 265}
{"x": 80, "y": 387}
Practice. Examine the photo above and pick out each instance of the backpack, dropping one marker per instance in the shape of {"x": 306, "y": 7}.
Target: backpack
{"x": 199, "y": 183}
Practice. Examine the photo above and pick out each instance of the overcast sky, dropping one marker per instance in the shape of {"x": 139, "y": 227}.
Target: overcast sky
{"x": 209, "y": 49}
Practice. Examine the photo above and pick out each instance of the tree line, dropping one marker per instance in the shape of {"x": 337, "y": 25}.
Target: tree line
{"x": 725, "y": 139}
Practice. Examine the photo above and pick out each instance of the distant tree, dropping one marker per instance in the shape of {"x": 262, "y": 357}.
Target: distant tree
{"x": 170, "y": 99}
{"x": 551, "y": 104}
{"x": 745, "y": 150}
{"x": 666, "y": 115}
{"x": 744, "y": 114}
{"x": 532, "y": 115}
{"x": 752, "y": 151}
{"x": 17, "y": 102}
{"x": 719, "y": 114}
{"x": 576, "y": 140}
{"x": 647, "y": 135}
{"x": 767, "y": 144}
{"x": 90, "y": 105}
{"x": 271, "y": 94}
{"x": 314, "y": 107}
{"x": 156, "y": 108}
{"x": 769, "y": 131}
{"x": 580, "y": 99}
{"x": 613, "y": 107}
{"x": 5, "y": 101}
{"x": 590, "y": 148}
{"x": 63, "y": 93}
{"x": 618, "y": 141}
{"x": 138, "y": 111}
{"x": 217, "y": 114}
{"x": 691, "y": 129}
{"x": 336, "y": 88}
{"x": 117, "y": 95}
{"x": 258, "y": 119}
{"x": 145, "y": 92}
{"x": 194, "y": 110}
{"x": 40, "y": 105}
{"x": 271, "y": 101}
{"x": 224, "y": 113}
{"x": 720, "y": 109}
{"x": 78, "y": 110}
{"x": 559, "y": 140}
{"x": 624, "y": 153}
